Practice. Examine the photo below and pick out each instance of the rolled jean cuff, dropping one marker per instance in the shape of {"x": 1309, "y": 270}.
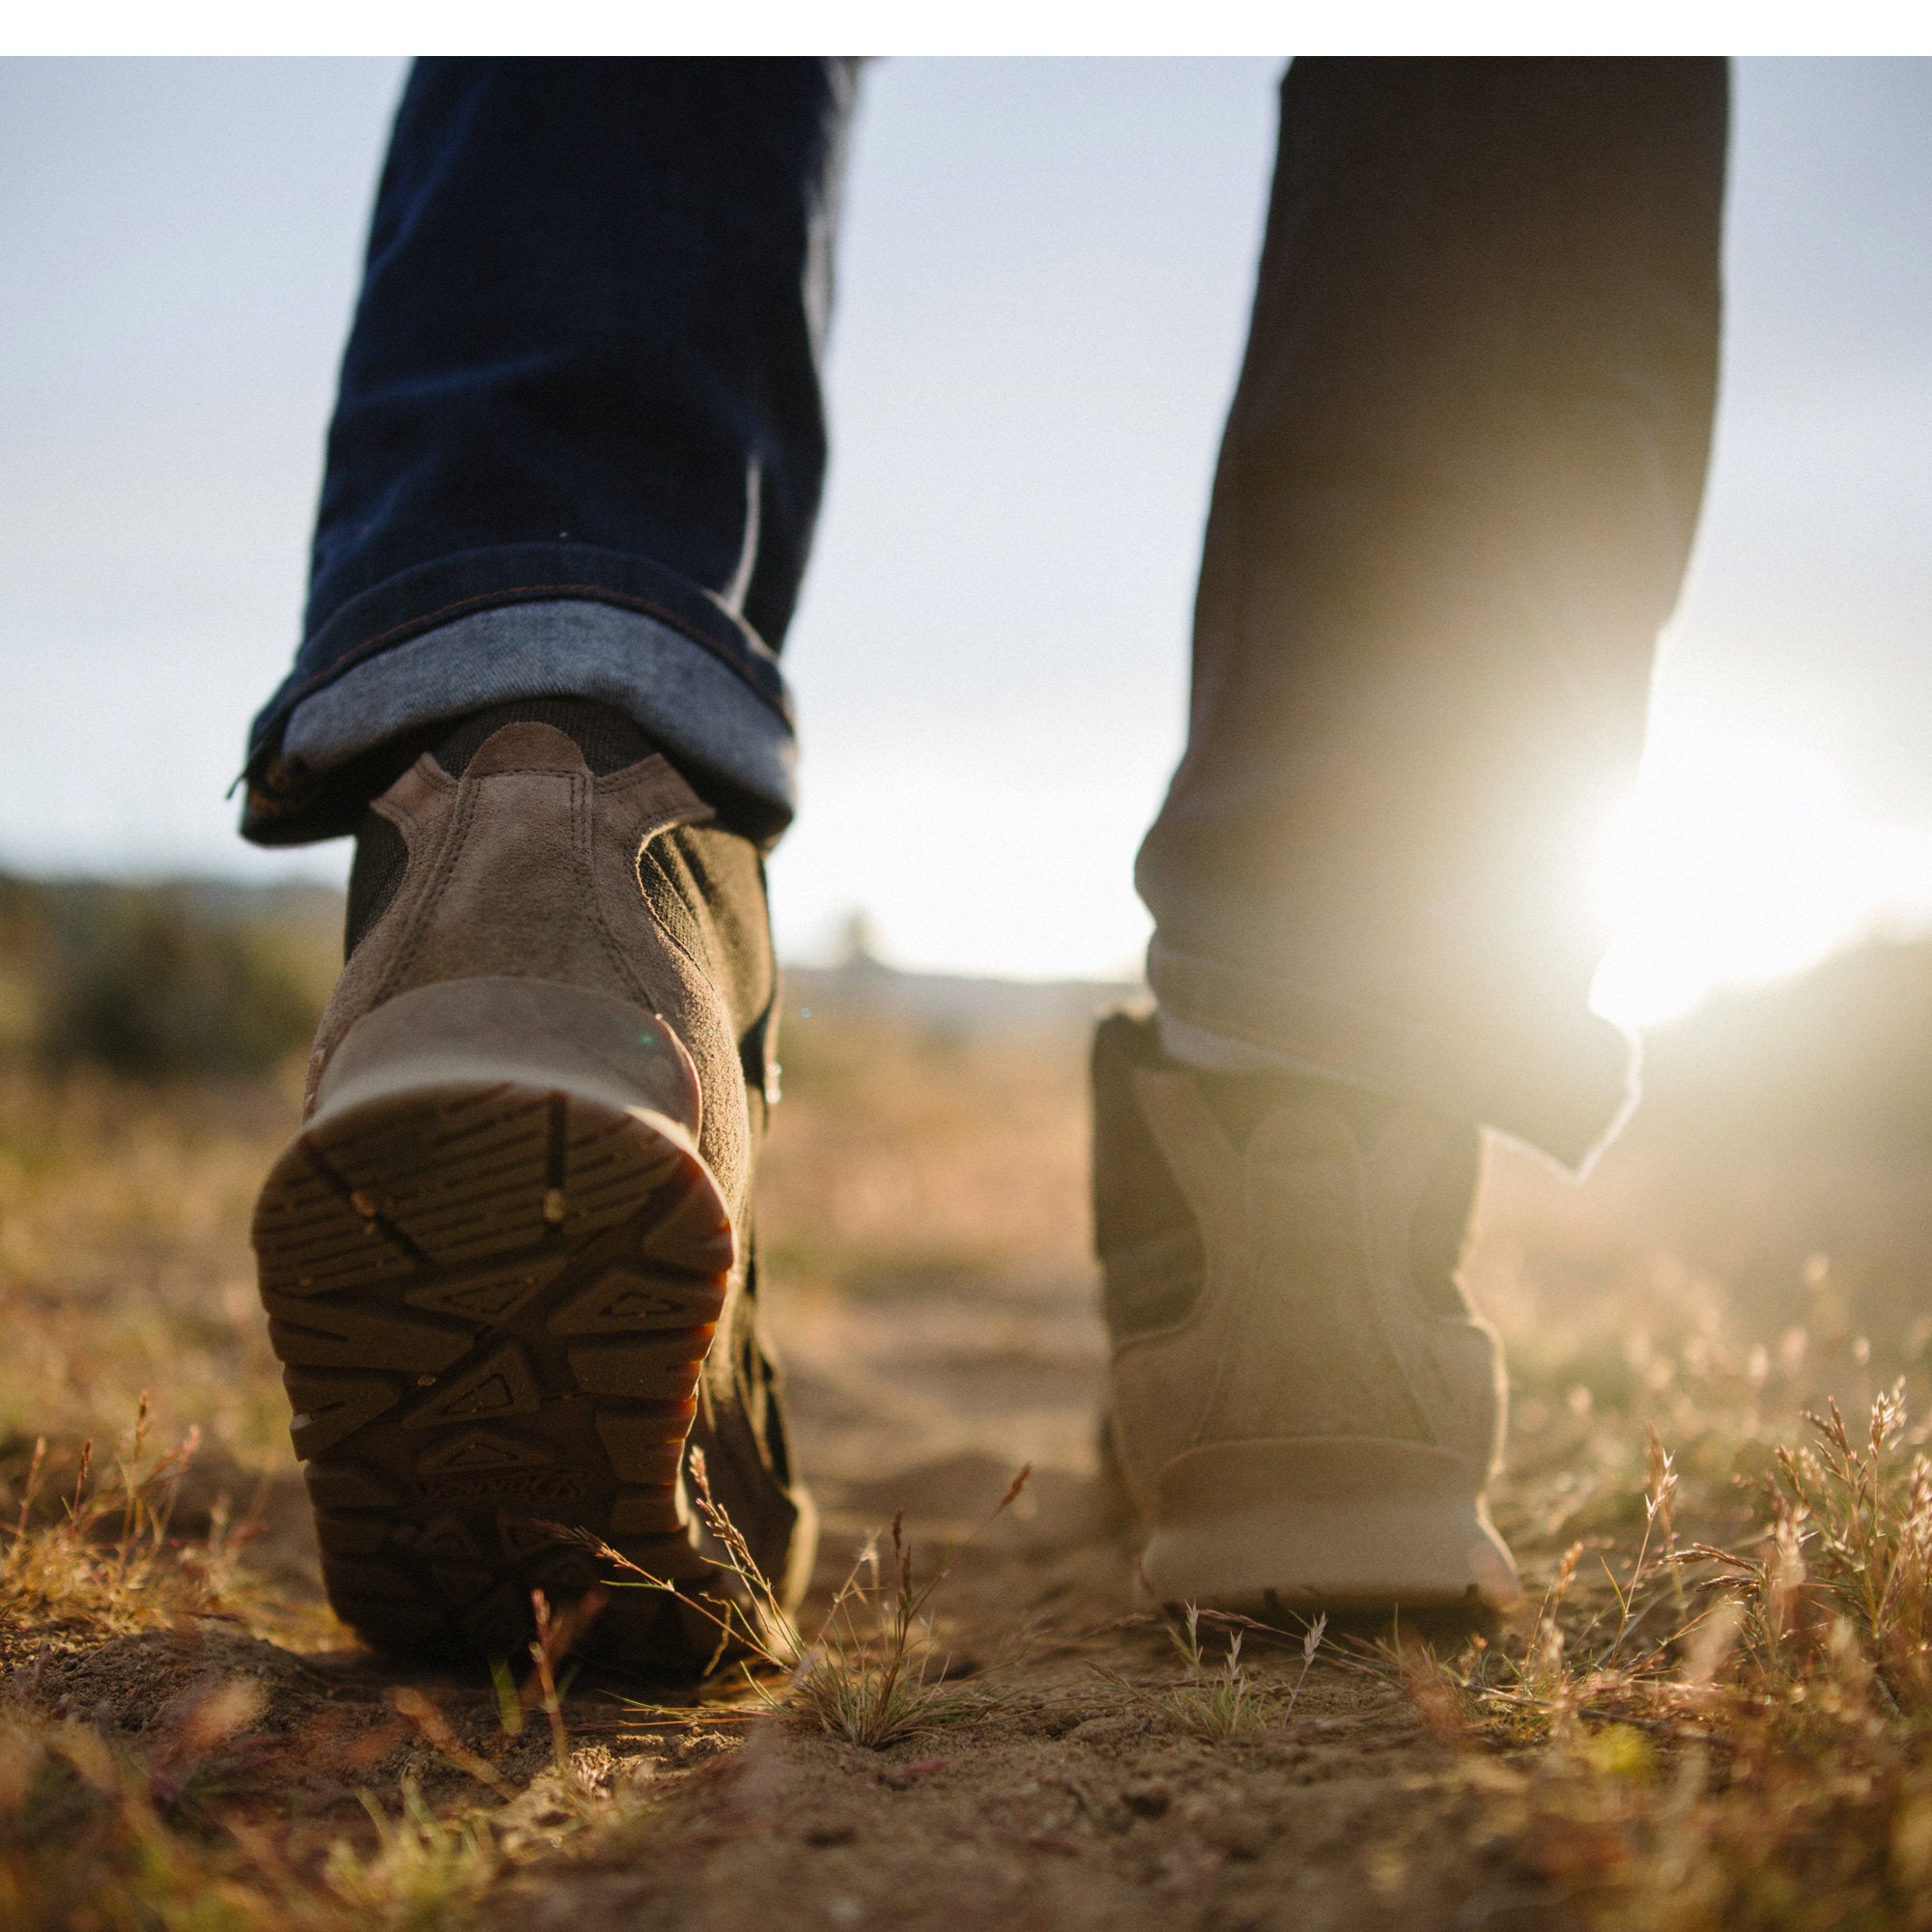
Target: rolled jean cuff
{"x": 1563, "y": 1088}
{"x": 567, "y": 622}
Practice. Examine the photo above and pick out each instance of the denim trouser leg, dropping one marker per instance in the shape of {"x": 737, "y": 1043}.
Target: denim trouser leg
{"x": 579, "y": 442}
{"x": 579, "y": 448}
{"x": 1453, "y": 508}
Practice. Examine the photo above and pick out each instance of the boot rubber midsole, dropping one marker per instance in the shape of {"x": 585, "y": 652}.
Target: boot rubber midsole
{"x": 1328, "y": 1523}
{"x": 531, "y": 1031}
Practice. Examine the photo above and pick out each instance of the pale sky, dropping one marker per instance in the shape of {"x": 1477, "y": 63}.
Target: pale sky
{"x": 1043, "y": 285}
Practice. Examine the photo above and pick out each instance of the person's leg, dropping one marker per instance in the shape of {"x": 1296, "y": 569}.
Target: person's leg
{"x": 579, "y": 442}
{"x": 571, "y": 484}
{"x": 1453, "y": 507}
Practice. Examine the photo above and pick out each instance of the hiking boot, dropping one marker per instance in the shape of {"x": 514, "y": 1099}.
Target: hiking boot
{"x": 506, "y": 1260}
{"x": 1301, "y": 1405}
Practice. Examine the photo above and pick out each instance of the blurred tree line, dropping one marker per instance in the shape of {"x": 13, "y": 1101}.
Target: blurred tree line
{"x": 155, "y": 981}
{"x": 206, "y": 976}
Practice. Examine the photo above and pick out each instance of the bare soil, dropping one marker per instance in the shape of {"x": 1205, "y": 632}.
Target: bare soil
{"x": 924, "y": 1227}
{"x": 1066, "y": 1805}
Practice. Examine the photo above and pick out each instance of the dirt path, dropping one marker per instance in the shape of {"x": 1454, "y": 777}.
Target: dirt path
{"x": 1068, "y": 1802}
{"x": 1070, "y": 1805}
{"x": 922, "y": 1220}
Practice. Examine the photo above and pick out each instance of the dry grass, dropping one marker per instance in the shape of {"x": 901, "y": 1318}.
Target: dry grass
{"x": 163, "y": 1828}
{"x": 874, "y": 1674}
{"x": 426, "y": 1872}
{"x": 124, "y": 1261}
{"x": 1716, "y": 1714}
{"x": 97, "y": 1829}
{"x": 871, "y": 1672}
{"x": 1729, "y": 1735}
{"x": 1220, "y": 1705}
{"x": 102, "y": 1564}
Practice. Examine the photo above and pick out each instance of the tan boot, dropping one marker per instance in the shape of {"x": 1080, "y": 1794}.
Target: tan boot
{"x": 504, "y": 1258}
{"x": 1303, "y": 1419}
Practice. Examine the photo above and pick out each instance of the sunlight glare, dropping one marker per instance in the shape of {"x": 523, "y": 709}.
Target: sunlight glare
{"x": 1739, "y": 857}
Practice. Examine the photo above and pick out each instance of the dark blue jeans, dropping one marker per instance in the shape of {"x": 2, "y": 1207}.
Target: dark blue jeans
{"x": 580, "y": 443}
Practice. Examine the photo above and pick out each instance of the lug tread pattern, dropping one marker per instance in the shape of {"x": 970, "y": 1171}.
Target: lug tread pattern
{"x": 660, "y": 1369}
{"x": 492, "y": 1304}
{"x": 340, "y": 1333}
{"x": 310, "y": 1238}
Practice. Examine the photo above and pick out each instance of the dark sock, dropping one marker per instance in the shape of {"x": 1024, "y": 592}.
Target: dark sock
{"x": 607, "y": 738}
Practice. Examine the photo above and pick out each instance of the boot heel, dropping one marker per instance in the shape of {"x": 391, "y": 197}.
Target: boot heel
{"x": 493, "y": 1262}
{"x": 1323, "y": 1523}
{"x": 533, "y": 1032}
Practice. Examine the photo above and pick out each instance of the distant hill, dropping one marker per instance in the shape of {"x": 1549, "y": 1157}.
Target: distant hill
{"x": 1843, "y": 1052}
{"x": 954, "y": 1002}
{"x": 209, "y": 976}
{"x": 293, "y": 903}
{"x": 1840, "y": 1055}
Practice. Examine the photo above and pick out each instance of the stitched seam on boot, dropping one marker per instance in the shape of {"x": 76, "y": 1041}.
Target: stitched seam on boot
{"x": 657, "y": 770}
{"x": 419, "y": 836}
{"x": 1251, "y": 1296}
{"x": 406, "y": 823}
{"x": 442, "y": 867}
{"x": 1386, "y": 1289}
{"x": 434, "y": 888}
{"x": 663, "y": 931}
{"x": 1198, "y": 1192}
{"x": 1399, "y": 1304}
{"x": 1224, "y": 1360}
{"x": 583, "y": 852}
{"x": 673, "y": 812}
{"x": 1361, "y": 1189}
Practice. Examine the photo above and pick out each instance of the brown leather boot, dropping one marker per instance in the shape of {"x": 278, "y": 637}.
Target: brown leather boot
{"x": 507, "y": 1259}
{"x": 1302, "y": 1407}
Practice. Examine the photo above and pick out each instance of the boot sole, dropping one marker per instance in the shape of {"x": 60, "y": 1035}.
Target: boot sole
{"x": 493, "y": 1298}
{"x": 1306, "y": 1525}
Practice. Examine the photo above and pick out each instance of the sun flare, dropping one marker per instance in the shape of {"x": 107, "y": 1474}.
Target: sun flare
{"x": 1739, "y": 856}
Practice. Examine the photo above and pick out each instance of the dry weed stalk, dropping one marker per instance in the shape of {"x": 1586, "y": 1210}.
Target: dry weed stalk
{"x": 1220, "y": 1705}
{"x": 106, "y": 1562}
{"x": 1557, "y": 1682}
{"x": 1847, "y": 1572}
{"x": 872, "y": 1673}
{"x": 1743, "y": 1737}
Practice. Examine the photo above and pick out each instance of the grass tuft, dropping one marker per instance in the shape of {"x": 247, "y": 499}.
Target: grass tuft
{"x": 874, "y": 1672}
{"x": 101, "y": 1559}
{"x": 1224, "y": 1704}
{"x": 425, "y": 1874}
{"x": 1735, "y": 1735}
